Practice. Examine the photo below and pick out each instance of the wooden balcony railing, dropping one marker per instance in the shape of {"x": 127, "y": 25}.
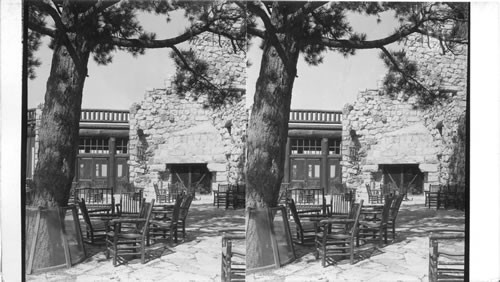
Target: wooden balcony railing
{"x": 122, "y": 116}
{"x": 94, "y": 115}
{"x": 104, "y": 116}
{"x": 315, "y": 116}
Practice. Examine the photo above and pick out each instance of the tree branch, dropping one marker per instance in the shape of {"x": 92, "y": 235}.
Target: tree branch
{"x": 100, "y": 6}
{"x": 41, "y": 29}
{"x": 256, "y": 32}
{"x": 436, "y": 36}
{"x": 144, "y": 43}
{"x": 366, "y": 44}
{"x": 271, "y": 32}
{"x": 396, "y": 65}
{"x": 305, "y": 10}
{"x": 63, "y": 32}
{"x": 188, "y": 67}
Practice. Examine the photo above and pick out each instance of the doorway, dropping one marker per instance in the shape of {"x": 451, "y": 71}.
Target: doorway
{"x": 195, "y": 177}
{"x": 406, "y": 178}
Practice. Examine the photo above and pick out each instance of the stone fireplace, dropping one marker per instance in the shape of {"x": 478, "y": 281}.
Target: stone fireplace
{"x": 180, "y": 138}
{"x": 396, "y": 137}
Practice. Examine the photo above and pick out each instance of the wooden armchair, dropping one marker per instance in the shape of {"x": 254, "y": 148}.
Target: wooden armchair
{"x": 374, "y": 195}
{"x": 306, "y": 229}
{"x": 127, "y": 236}
{"x": 375, "y": 228}
{"x": 130, "y": 204}
{"x": 221, "y": 195}
{"x": 339, "y": 243}
{"x": 95, "y": 229}
{"x": 233, "y": 263}
{"x": 161, "y": 193}
{"x": 447, "y": 255}
{"x": 433, "y": 196}
{"x": 183, "y": 212}
{"x": 393, "y": 214}
{"x": 166, "y": 221}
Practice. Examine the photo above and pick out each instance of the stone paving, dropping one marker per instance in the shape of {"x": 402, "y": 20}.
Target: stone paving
{"x": 196, "y": 259}
{"x": 404, "y": 259}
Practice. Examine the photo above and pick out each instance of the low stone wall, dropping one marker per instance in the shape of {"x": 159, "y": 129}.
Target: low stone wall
{"x": 381, "y": 130}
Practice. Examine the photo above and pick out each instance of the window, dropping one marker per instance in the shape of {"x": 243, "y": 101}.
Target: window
{"x": 89, "y": 145}
{"x": 121, "y": 145}
{"x": 334, "y": 146}
{"x": 305, "y": 146}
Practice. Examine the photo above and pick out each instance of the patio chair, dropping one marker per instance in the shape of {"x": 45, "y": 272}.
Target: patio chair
{"x": 127, "y": 236}
{"x": 340, "y": 242}
{"x": 393, "y": 214}
{"x": 374, "y": 195}
{"x": 375, "y": 228}
{"x": 166, "y": 221}
{"x": 161, "y": 194}
{"x": 433, "y": 196}
{"x": 183, "y": 212}
{"x": 239, "y": 196}
{"x": 95, "y": 229}
{"x": 220, "y": 196}
{"x": 130, "y": 204}
{"x": 340, "y": 204}
{"x": 233, "y": 262}
{"x": 305, "y": 230}
{"x": 445, "y": 262}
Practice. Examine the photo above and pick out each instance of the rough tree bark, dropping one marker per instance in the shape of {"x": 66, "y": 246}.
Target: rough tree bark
{"x": 58, "y": 139}
{"x": 267, "y": 134}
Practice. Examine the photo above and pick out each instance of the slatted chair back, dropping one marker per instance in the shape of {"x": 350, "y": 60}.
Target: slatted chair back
{"x": 173, "y": 191}
{"x": 354, "y": 213}
{"x": 148, "y": 209}
{"x": 295, "y": 214}
{"x": 340, "y": 204}
{"x": 446, "y": 264}
{"x": 131, "y": 203}
{"x": 395, "y": 206}
{"x": 185, "y": 205}
{"x": 387, "y": 209}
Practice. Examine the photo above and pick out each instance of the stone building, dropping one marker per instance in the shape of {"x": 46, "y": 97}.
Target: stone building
{"x": 398, "y": 141}
{"x": 179, "y": 138}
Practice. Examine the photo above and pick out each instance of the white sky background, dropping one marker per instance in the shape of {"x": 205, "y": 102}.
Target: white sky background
{"x": 327, "y": 86}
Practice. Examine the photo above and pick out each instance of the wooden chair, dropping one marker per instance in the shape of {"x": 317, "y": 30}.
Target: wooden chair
{"x": 393, "y": 214}
{"x": 374, "y": 195}
{"x": 130, "y": 204}
{"x": 375, "y": 228}
{"x": 95, "y": 229}
{"x": 183, "y": 212}
{"x": 433, "y": 196}
{"x": 161, "y": 193}
{"x": 446, "y": 264}
{"x": 129, "y": 240}
{"x": 340, "y": 242}
{"x": 233, "y": 259}
{"x": 174, "y": 190}
{"x": 166, "y": 221}
{"x": 340, "y": 204}
{"x": 305, "y": 230}
{"x": 220, "y": 196}
{"x": 239, "y": 196}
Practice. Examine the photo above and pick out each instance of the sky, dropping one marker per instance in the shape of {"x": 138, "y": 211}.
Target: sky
{"x": 328, "y": 86}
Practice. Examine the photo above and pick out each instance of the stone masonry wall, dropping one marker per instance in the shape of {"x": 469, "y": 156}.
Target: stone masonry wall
{"x": 393, "y": 131}
{"x": 177, "y": 129}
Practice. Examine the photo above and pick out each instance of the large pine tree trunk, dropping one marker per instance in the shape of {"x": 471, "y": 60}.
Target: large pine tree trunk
{"x": 58, "y": 140}
{"x": 267, "y": 135}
